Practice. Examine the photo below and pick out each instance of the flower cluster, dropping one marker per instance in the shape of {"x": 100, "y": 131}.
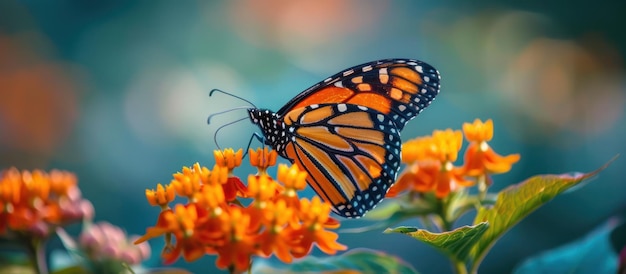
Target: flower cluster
{"x": 215, "y": 220}
{"x": 35, "y": 203}
{"x": 104, "y": 243}
{"x": 430, "y": 161}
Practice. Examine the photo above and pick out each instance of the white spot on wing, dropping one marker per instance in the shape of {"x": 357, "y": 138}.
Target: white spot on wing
{"x": 419, "y": 69}
{"x": 342, "y": 107}
{"x": 383, "y": 76}
{"x": 348, "y": 72}
{"x": 367, "y": 68}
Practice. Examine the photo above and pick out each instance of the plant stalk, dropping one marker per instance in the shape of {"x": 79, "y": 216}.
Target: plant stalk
{"x": 38, "y": 254}
{"x": 459, "y": 267}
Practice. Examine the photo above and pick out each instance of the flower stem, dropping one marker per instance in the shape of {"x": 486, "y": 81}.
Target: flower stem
{"x": 460, "y": 267}
{"x": 429, "y": 224}
{"x": 482, "y": 187}
{"x": 38, "y": 253}
{"x": 446, "y": 225}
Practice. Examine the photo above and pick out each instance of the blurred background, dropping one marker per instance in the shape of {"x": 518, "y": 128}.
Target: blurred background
{"x": 117, "y": 91}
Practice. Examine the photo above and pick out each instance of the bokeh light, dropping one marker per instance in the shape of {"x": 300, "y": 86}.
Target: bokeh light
{"x": 117, "y": 92}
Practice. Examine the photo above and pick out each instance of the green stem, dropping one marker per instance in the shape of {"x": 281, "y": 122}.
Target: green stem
{"x": 429, "y": 224}
{"x": 460, "y": 267}
{"x": 482, "y": 187}
{"x": 443, "y": 214}
{"x": 38, "y": 253}
{"x": 446, "y": 225}
{"x": 477, "y": 261}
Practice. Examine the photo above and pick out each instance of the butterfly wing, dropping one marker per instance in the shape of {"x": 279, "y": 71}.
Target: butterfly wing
{"x": 351, "y": 152}
{"x": 399, "y": 88}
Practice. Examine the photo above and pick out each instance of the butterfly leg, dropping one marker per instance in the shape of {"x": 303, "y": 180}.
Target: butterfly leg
{"x": 259, "y": 137}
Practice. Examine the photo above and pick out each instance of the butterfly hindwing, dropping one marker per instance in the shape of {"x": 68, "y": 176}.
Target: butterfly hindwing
{"x": 399, "y": 88}
{"x": 351, "y": 152}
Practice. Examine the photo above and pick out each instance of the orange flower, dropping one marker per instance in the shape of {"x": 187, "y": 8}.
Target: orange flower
{"x": 234, "y": 187}
{"x": 229, "y": 159}
{"x": 182, "y": 223}
{"x": 294, "y": 180}
{"x": 262, "y": 159}
{"x": 11, "y": 186}
{"x": 276, "y": 236}
{"x": 417, "y": 149}
{"x": 261, "y": 188}
{"x": 187, "y": 183}
{"x": 431, "y": 166}
{"x": 161, "y": 196}
{"x": 62, "y": 182}
{"x": 239, "y": 244}
{"x": 446, "y": 144}
{"x": 419, "y": 177}
{"x": 212, "y": 198}
{"x": 480, "y": 158}
{"x": 478, "y": 131}
{"x": 35, "y": 202}
{"x": 292, "y": 177}
{"x": 211, "y": 224}
{"x": 449, "y": 179}
{"x": 37, "y": 184}
{"x": 315, "y": 218}
{"x": 218, "y": 176}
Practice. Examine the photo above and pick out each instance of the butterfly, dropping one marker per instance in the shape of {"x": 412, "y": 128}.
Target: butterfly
{"x": 345, "y": 130}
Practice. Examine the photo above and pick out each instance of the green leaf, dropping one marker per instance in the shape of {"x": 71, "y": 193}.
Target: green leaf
{"x": 72, "y": 270}
{"x": 354, "y": 261}
{"x": 456, "y": 243}
{"x": 517, "y": 201}
{"x": 592, "y": 254}
{"x": 12, "y": 269}
{"x": 389, "y": 214}
{"x": 396, "y": 210}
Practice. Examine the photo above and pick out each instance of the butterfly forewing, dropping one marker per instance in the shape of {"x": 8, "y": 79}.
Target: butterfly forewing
{"x": 400, "y": 88}
{"x": 351, "y": 153}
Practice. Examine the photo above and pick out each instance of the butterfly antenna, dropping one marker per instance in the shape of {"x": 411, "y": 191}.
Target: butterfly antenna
{"x": 224, "y": 111}
{"x": 223, "y": 126}
{"x": 231, "y": 95}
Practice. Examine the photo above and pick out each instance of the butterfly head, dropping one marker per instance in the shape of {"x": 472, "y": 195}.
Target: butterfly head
{"x": 273, "y": 128}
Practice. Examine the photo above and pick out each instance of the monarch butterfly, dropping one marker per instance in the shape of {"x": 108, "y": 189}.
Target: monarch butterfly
{"x": 345, "y": 130}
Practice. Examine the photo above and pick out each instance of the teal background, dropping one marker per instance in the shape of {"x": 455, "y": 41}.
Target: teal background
{"x": 117, "y": 91}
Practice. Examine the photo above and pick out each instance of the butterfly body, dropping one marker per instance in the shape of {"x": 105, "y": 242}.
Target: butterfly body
{"x": 345, "y": 130}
